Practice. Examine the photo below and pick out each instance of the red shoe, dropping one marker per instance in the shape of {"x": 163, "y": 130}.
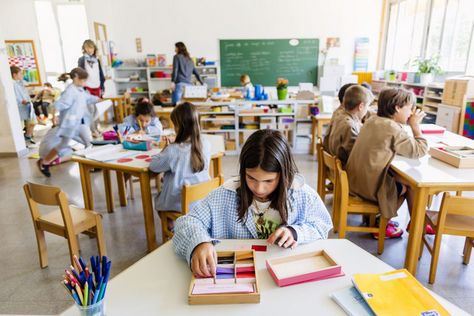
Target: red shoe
{"x": 428, "y": 229}
{"x": 390, "y": 232}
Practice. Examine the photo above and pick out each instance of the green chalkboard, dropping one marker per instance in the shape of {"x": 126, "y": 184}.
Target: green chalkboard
{"x": 265, "y": 60}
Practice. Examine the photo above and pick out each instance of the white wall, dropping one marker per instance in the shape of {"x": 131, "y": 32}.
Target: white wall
{"x": 11, "y": 133}
{"x": 200, "y": 24}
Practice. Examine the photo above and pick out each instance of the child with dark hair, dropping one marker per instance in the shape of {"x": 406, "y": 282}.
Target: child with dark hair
{"x": 143, "y": 121}
{"x": 269, "y": 200}
{"x": 72, "y": 105}
{"x": 380, "y": 139}
{"x": 184, "y": 161}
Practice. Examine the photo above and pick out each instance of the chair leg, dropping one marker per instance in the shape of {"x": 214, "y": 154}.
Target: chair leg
{"x": 372, "y": 220}
{"x": 336, "y": 213}
{"x": 42, "y": 248}
{"x": 100, "y": 236}
{"x": 164, "y": 226}
{"x": 435, "y": 257}
{"x": 382, "y": 227}
{"x": 467, "y": 250}
{"x": 422, "y": 245}
{"x": 342, "y": 223}
{"x": 73, "y": 243}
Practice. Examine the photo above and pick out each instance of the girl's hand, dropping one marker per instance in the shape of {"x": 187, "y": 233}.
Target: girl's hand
{"x": 204, "y": 259}
{"x": 283, "y": 237}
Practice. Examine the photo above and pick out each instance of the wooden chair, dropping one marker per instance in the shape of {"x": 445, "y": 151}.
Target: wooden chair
{"x": 190, "y": 194}
{"x": 323, "y": 174}
{"x": 67, "y": 221}
{"x": 455, "y": 217}
{"x": 327, "y": 171}
{"x": 349, "y": 205}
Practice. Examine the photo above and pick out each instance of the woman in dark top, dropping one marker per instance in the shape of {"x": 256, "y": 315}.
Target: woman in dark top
{"x": 183, "y": 69}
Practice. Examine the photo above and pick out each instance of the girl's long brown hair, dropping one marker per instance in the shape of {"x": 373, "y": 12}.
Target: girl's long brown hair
{"x": 75, "y": 72}
{"x": 186, "y": 121}
{"x": 182, "y": 49}
{"x": 269, "y": 150}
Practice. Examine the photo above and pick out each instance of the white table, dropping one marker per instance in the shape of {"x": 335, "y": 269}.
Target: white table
{"x": 428, "y": 176}
{"x": 158, "y": 284}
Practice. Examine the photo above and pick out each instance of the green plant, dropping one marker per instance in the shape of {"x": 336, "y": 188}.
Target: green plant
{"x": 428, "y": 65}
{"x": 282, "y": 83}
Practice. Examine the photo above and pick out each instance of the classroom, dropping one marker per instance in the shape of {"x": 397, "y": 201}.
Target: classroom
{"x": 236, "y": 157}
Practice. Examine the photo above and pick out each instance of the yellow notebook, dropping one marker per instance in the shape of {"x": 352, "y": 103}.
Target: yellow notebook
{"x": 397, "y": 293}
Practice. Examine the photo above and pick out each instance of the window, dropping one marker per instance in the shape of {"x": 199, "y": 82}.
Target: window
{"x": 427, "y": 28}
{"x": 62, "y": 32}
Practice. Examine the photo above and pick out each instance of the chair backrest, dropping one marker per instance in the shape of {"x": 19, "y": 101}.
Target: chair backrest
{"x": 196, "y": 192}
{"x": 329, "y": 162}
{"x": 47, "y": 195}
{"x": 319, "y": 151}
{"x": 456, "y": 205}
{"x": 341, "y": 185}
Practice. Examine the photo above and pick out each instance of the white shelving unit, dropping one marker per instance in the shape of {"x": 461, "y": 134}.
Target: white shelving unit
{"x": 237, "y": 116}
{"x": 151, "y": 84}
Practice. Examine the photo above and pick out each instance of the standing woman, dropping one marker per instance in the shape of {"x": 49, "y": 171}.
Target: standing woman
{"x": 183, "y": 69}
{"x": 95, "y": 82}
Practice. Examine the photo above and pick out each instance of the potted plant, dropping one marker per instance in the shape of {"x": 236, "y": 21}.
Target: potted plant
{"x": 392, "y": 75}
{"x": 282, "y": 88}
{"x": 427, "y": 68}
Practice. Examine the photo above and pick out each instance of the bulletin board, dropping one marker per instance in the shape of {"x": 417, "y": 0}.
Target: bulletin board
{"x": 22, "y": 53}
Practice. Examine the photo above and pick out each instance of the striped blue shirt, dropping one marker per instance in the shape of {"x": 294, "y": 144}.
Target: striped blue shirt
{"x": 216, "y": 217}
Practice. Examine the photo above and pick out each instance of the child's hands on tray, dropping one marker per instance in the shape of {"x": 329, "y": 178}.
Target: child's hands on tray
{"x": 204, "y": 259}
{"x": 283, "y": 237}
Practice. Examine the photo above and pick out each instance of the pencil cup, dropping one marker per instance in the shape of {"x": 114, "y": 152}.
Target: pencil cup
{"x": 97, "y": 309}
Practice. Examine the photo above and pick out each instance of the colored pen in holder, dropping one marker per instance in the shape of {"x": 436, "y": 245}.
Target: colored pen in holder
{"x": 143, "y": 146}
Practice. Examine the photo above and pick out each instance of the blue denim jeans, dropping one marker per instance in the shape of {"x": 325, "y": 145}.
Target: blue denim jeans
{"x": 178, "y": 92}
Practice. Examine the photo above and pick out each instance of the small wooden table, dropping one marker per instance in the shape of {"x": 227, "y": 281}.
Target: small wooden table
{"x": 159, "y": 284}
{"x": 137, "y": 168}
{"x": 317, "y": 123}
{"x": 428, "y": 176}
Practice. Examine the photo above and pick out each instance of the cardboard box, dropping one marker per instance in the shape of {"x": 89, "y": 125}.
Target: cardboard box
{"x": 457, "y": 89}
{"x": 244, "y": 259}
{"x": 459, "y": 157}
{"x": 311, "y": 266}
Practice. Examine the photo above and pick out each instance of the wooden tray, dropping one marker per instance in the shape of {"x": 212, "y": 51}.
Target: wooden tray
{"x": 304, "y": 267}
{"x": 244, "y": 258}
{"x": 446, "y": 154}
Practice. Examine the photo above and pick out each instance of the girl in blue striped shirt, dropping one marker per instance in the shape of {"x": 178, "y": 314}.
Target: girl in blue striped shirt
{"x": 268, "y": 201}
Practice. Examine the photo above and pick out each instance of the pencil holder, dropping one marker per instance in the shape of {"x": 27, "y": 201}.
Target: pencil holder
{"x": 97, "y": 309}
{"x": 143, "y": 146}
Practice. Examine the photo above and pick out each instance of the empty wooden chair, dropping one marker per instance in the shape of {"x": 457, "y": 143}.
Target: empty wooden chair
{"x": 327, "y": 171}
{"x": 349, "y": 205}
{"x": 323, "y": 174}
{"x": 190, "y": 194}
{"x": 455, "y": 217}
{"x": 67, "y": 220}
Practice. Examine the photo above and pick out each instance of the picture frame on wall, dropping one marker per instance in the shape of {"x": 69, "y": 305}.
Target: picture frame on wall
{"x": 22, "y": 53}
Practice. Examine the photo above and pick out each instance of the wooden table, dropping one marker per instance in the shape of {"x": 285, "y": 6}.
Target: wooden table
{"x": 158, "y": 284}
{"x": 317, "y": 123}
{"x": 428, "y": 176}
{"x": 137, "y": 168}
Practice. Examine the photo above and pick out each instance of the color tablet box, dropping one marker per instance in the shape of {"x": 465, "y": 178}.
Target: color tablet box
{"x": 459, "y": 157}
{"x": 306, "y": 267}
{"x": 236, "y": 288}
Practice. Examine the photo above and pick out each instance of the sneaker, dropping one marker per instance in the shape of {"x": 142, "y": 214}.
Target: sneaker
{"x": 428, "y": 229}
{"x": 44, "y": 169}
{"x": 30, "y": 140}
{"x": 390, "y": 232}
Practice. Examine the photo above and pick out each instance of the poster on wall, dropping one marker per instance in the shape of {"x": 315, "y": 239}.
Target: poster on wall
{"x": 361, "y": 54}
{"x": 23, "y": 55}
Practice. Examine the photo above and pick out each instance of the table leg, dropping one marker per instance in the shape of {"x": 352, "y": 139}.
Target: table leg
{"x": 313, "y": 137}
{"x": 320, "y": 129}
{"x": 416, "y": 229}
{"x": 108, "y": 191}
{"x": 121, "y": 188}
{"x": 147, "y": 205}
{"x": 86, "y": 186}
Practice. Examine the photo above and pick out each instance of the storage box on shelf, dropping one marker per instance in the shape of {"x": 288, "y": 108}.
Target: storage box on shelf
{"x": 459, "y": 92}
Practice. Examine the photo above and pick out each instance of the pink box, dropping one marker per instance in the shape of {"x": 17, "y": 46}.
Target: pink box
{"x": 311, "y": 266}
{"x": 110, "y": 135}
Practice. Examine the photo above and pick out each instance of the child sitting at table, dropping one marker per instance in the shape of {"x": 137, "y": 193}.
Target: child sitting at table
{"x": 345, "y": 127}
{"x": 380, "y": 139}
{"x": 72, "y": 105}
{"x": 184, "y": 161}
{"x": 269, "y": 200}
{"x": 247, "y": 86}
{"x": 143, "y": 121}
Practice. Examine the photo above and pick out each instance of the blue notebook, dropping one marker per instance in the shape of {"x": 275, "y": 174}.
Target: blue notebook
{"x": 352, "y": 302}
